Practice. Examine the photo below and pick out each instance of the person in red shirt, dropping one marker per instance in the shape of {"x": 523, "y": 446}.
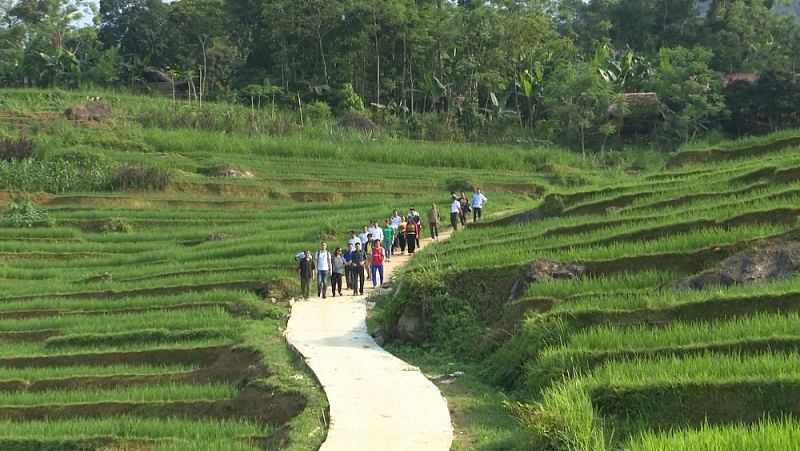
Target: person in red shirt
{"x": 377, "y": 262}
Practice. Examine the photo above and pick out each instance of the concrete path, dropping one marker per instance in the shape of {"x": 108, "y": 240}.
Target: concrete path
{"x": 377, "y": 401}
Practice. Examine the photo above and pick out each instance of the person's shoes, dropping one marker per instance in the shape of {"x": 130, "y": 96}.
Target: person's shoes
{"x": 361, "y": 293}
{"x": 355, "y": 294}
{"x": 319, "y": 293}
{"x": 340, "y": 293}
{"x": 323, "y": 296}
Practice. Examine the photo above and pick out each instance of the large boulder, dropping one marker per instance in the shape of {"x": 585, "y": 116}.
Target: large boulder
{"x": 89, "y": 111}
{"x": 775, "y": 261}
{"x": 543, "y": 270}
{"x": 411, "y": 325}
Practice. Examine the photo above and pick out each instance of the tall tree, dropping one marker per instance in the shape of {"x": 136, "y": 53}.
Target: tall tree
{"x": 137, "y": 27}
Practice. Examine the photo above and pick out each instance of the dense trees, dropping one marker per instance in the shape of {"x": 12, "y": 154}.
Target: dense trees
{"x": 481, "y": 69}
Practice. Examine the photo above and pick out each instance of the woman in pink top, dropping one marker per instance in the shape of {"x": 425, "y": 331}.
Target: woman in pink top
{"x": 377, "y": 263}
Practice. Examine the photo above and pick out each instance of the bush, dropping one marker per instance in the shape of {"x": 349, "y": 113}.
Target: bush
{"x": 147, "y": 178}
{"x": 552, "y": 206}
{"x": 20, "y": 212}
{"x": 16, "y": 149}
{"x": 317, "y": 110}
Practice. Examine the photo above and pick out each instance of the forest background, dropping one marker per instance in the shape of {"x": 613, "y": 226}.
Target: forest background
{"x": 589, "y": 76}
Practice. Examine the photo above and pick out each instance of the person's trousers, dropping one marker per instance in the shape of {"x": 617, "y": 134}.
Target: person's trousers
{"x": 348, "y": 276}
{"x": 322, "y": 282}
{"x": 434, "y": 229}
{"x": 387, "y": 249}
{"x": 454, "y": 220}
{"x": 463, "y": 217}
{"x": 336, "y": 282}
{"x": 476, "y": 214}
{"x": 377, "y": 270}
{"x": 358, "y": 280}
{"x": 411, "y": 241}
{"x": 305, "y": 283}
{"x": 402, "y": 241}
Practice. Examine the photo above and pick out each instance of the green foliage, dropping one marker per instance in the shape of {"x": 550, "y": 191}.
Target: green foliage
{"x": 350, "y": 101}
{"x": 552, "y": 206}
{"x": 116, "y": 225}
{"x": 21, "y": 212}
{"x": 139, "y": 336}
{"x": 456, "y": 328}
{"x": 317, "y": 110}
{"x": 564, "y": 420}
{"x": 684, "y": 81}
{"x": 57, "y": 175}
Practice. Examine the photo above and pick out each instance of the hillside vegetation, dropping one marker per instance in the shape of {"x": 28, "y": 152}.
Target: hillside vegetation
{"x": 146, "y": 267}
{"x": 579, "y": 316}
{"x": 147, "y": 263}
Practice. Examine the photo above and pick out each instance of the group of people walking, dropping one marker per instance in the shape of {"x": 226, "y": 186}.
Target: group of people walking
{"x": 375, "y": 244}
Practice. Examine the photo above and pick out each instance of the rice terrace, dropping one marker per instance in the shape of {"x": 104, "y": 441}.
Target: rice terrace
{"x": 146, "y": 273}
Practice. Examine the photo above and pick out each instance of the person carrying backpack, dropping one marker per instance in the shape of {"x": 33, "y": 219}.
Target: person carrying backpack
{"x": 323, "y": 269}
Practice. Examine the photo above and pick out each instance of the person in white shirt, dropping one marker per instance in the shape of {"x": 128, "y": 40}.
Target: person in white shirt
{"x": 376, "y": 231}
{"x": 478, "y": 201}
{"x": 396, "y": 218}
{"x": 353, "y": 239}
{"x": 363, "y": 237}
{"x": 323, "y": 258}
{"x": 455, "y": 211}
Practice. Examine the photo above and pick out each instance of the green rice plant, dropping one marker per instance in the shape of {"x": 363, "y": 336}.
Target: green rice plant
{"x": 33, "y": 374}
{"x": 708, "y": 367}
{"x": 136, "y": 394}
{"x": 173, "y": 320}
{"x": 138, "y": 336}
{"x": 18, "y": 350}
{"x": 564, "y": 420}
{"x": 188, "y": 299}
{"x": 659, "y": 299}
{"x": 765, "y": 435}
{"x": 687, "y": 334}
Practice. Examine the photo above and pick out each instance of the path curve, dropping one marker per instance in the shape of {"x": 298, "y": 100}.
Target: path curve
{"x": 377, "y": 401}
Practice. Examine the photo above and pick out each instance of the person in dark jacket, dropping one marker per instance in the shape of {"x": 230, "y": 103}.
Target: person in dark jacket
{"x": 306, "y": 270}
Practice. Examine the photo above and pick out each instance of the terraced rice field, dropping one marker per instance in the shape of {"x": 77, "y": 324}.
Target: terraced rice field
{"x": 152, "y": 320}
{"x": 616, "y": 357}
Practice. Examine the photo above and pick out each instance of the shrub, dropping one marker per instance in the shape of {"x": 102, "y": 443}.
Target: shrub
{"x": 148, "y": 178}
{"x": 317, "y": 110}
{"x": 117, "y": 225}
{"x": 20, "y": 212}
{"x": 16, "y": 149}
{"x": 349, "y": 101}
{"x": 458, "y": 184}
{"x": 552, "y": 206}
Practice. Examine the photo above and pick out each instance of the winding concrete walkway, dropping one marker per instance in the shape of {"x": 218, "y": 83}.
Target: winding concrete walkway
{"x": 377, "y": 401}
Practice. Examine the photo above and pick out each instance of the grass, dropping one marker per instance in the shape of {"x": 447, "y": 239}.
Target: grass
{"x": 766, "y": 435}
{"x": 149, "y": 393}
